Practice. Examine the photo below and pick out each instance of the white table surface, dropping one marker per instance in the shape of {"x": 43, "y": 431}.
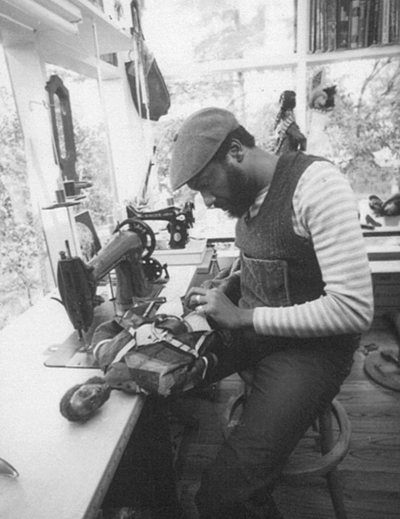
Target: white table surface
{"x": 64, "y": 468}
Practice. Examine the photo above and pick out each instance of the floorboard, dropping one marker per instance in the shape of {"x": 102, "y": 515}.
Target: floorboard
{"x": 370, "y": 472}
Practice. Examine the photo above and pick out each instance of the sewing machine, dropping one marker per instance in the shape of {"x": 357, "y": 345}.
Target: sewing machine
{"x": 127, "y": 253}
{"x": 180, "y": 221}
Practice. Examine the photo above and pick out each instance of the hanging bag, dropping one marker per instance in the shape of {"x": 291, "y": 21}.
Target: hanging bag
{"x": 159, "y": 100}
{"x": 149, "y": 91}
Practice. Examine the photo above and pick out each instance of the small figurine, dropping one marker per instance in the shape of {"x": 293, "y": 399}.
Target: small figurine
{"x": 290, "y": 137}
{"x": 322, "y": 96}
{"x": 321, "y": 101}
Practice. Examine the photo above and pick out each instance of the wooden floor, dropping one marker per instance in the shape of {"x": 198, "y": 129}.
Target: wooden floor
{"x": 370, "y": 472}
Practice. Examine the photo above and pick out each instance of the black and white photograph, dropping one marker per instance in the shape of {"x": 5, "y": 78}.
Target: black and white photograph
{"x": 199, "y": 259}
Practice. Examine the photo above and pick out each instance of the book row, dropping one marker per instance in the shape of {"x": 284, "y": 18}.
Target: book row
{"x": 353, "y": 24}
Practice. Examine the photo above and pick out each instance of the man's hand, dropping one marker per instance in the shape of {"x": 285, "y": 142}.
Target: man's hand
{"x": 215, "y": 304}
{"x": 227, "y": 284}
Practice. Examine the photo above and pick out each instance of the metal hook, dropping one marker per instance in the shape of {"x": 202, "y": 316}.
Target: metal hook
{"x": 42, "y": 102}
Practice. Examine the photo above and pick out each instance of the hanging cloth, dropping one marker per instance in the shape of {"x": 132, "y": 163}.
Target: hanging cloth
{"x": 149, "y": 91}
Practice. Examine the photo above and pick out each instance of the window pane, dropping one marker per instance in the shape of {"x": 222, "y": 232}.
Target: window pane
{"x": 22, "y": 249}
{"x": 361, "y": 133}
{"x": 252, "y": 95}
{"x": 92, "y": 162}
{"x": 209, "y": 30}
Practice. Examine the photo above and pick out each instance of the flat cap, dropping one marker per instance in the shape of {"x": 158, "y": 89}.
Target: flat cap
{"x": 196, "y": 143}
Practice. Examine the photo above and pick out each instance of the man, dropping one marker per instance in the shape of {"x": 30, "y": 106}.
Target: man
{"x": 305, "y": 297}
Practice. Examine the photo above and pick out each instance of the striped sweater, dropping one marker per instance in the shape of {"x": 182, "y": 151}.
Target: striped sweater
{"x": 325, "y": 212}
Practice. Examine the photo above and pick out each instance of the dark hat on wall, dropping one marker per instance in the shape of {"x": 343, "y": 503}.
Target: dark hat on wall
{"x": 198, "y": 140}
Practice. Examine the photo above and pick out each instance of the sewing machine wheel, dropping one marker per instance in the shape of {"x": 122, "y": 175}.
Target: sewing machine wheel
{"x": 152, "y": 269}
{"x": 144, "y": 232}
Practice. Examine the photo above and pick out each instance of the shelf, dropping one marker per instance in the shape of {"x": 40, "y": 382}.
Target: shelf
{"x": 275, "y": 61}
{"x": 321, "y": 58}
{"x": 70, "y": 55}
{"x": 70, "y": 45}
{"x": 231, "y": 65}
{"x": 111, "y": 37}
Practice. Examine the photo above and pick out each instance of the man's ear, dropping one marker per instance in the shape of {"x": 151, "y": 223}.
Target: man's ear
{"x": 236, "y": 150}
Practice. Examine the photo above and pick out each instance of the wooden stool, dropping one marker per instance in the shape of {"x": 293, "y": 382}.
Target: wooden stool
{"x": 332, "y": 449}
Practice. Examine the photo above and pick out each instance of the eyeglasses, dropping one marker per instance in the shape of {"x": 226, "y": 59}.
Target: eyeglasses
{"x": 7, "y": 470}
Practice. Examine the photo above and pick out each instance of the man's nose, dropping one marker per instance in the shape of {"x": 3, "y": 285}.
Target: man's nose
{"x": 209, "y": 199}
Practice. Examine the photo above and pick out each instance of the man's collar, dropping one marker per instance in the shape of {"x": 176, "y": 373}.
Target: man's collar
{"x": 254, "y": 209}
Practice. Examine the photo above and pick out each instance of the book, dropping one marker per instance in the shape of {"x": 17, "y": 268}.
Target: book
{"x": 312, "y": 26}
{"x": 385, "y": 22}
{"x": 331, "y": 10}
{"x": 362, "y": 23}
{"x": 343, "y": 24}
{"x": 318, "y": 26}
{"x": 354, "y": 18}
{"x": 369, "y": 21}
{"x": 376, "y": 17}
{"x": 393, "y": 19}
{"x": 324, "y": 25}
{"x": 397, "y": 22}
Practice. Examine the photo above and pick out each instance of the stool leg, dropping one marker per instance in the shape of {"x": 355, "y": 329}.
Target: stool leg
{"x": 336, "y": 491}
{"x": 333, "y": 479}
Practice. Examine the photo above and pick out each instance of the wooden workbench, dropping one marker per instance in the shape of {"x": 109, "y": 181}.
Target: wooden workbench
{"x": 64, "y": 468}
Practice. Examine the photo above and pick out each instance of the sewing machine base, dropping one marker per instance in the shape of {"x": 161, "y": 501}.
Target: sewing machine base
{"x": 72, "y": 353}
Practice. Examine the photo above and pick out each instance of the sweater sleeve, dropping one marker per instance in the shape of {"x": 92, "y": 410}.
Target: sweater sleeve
{"x": 325, "y": 212}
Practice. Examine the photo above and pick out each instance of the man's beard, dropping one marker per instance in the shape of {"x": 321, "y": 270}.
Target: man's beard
{"x": 243, "y": 191}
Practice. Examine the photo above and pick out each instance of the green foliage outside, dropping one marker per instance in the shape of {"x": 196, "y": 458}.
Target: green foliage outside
{"x": 92, "y": 166}
{"x": 364, "y": 130}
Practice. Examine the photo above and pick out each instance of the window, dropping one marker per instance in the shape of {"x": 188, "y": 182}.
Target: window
{"x": 22, "y": 244}
{"x": 202, "y": 47}
{"x": 361, "y": 134}
{"x": 92, "y": 162}
{"x": 22, "y": 247}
